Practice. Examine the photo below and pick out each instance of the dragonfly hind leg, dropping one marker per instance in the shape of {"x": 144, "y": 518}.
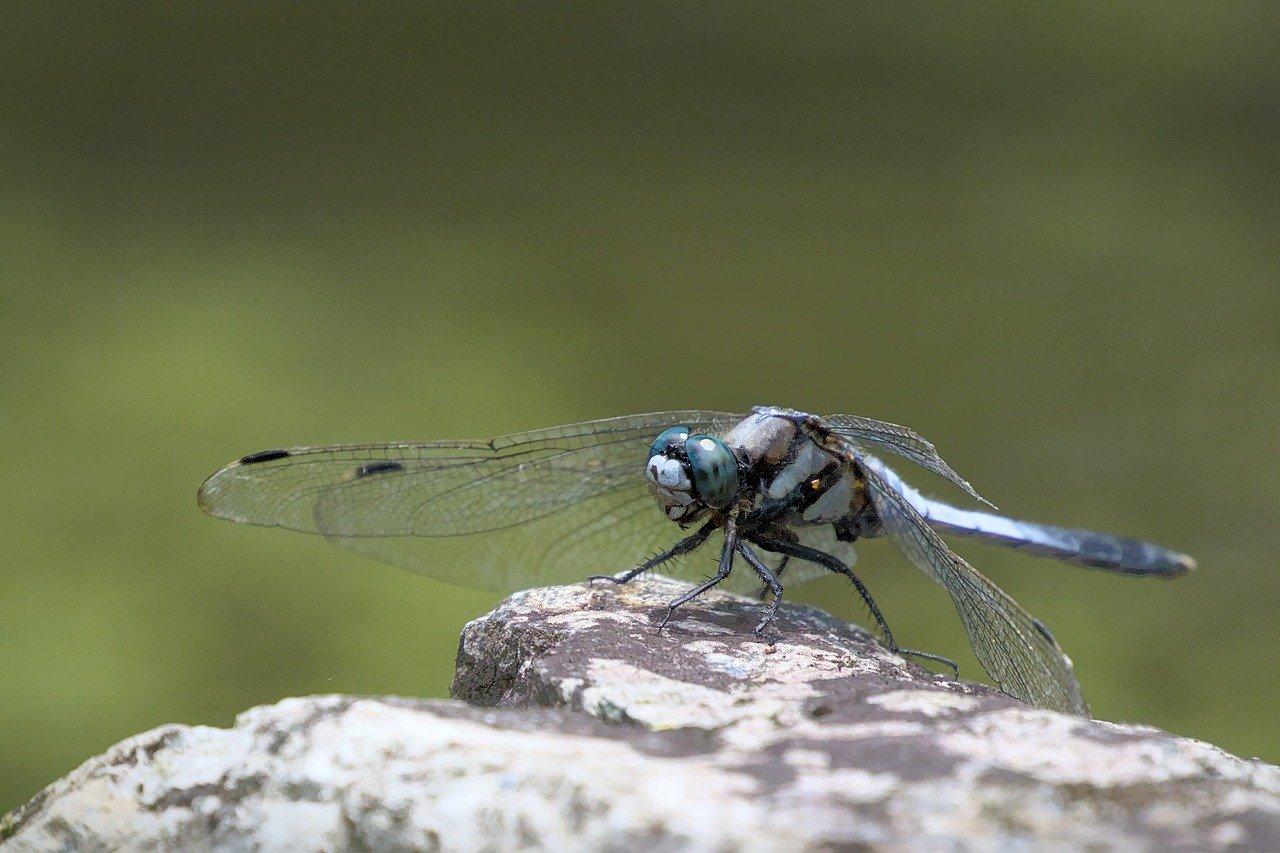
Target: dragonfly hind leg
{"x": 771, "y": 583}
{"x": 684, "y": 546}
{"x": 822, "y": 558}
{"x": 930, "y": 656}
{"x": 765, "y": 589}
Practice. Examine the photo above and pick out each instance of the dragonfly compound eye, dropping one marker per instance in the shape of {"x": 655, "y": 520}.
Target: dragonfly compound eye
{"x": 668, "y": 440}
{"x": 714, "y": 469}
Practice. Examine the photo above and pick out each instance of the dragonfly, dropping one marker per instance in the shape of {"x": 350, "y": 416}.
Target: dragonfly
{"x": 787, "y": 492}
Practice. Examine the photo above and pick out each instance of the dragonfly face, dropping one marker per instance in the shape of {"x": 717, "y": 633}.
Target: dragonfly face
{"x": 690, "y": 474}
{"x": 549, "y": 506}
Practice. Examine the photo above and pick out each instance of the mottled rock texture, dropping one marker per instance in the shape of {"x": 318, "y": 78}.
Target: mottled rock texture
{"x": 582, "y": 727}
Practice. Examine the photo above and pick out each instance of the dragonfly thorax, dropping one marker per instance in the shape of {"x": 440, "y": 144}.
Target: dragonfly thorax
{"x": 792, "y": 475}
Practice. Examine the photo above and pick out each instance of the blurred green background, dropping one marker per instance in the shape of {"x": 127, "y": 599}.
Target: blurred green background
{"x": 1044, "y": 236}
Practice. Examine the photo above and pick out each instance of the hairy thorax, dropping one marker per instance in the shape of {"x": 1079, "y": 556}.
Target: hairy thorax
{"x": 789, "y": 466}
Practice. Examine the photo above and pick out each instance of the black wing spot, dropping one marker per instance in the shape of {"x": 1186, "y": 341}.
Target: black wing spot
{"x": 371, "y": 468}
{"x": 263, "y": 456}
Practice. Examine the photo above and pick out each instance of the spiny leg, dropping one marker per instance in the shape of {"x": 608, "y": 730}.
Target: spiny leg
{"x": 938, "y": 659}
{"x": 726, "y": 566}
{"x": 777, "y": 573}
{"x": 822, "y": 558}
{"x": 770, "y": 579}
{"x": 684, "y": 546}
{"x": 782, "y": 566}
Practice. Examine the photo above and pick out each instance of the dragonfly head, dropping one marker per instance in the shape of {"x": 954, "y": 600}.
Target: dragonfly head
{"x": 689, "y": 473}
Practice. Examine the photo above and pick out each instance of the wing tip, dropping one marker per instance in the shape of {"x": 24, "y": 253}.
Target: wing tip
{"x": 974, "y": 492}
{"x": 205, "y": 495}
{"x": 202, "y": 501}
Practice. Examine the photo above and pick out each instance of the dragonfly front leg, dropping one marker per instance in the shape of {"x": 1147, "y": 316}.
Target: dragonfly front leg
{"x": 684, "y": 546}
{"x": 726, "y": 566}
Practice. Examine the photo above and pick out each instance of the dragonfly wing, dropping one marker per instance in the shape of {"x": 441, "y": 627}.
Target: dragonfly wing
{"x": 604, "y": 534}
{"x": 867, "y": 432}
{"x": 521, "y": 492}
{"x": 1015, "y": 648}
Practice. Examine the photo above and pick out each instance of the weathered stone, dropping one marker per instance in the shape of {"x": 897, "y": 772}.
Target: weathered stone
{"x": 603, "y": 733}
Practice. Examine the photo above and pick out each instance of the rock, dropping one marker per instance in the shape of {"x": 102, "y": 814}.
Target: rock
{"x": 581, "y": 726}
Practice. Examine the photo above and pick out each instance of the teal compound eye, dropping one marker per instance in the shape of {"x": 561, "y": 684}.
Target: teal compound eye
{"x": 667, "y": 440}
{"x": 713, "y": 469}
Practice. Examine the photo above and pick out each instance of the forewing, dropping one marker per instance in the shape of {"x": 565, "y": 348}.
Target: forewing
{"x": 571, "y": 494}
{"x": 907, "y": 443}
{"x": 604, "y": 534}
{"x": 1015, "y": 648}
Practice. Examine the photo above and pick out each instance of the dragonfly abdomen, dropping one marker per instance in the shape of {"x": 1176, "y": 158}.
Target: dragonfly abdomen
{"x": 1086, "y": 548}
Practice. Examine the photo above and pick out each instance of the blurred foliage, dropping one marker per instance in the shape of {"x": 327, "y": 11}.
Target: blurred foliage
{"x": 1044, "y": 236}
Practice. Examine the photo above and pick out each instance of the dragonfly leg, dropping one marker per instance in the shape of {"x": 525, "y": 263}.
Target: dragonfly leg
{"x": 770, "y": 580}
{"x": 822, "y": 558}
{"x": 930, "y": 656}
{"x": 777, "y": 573}
{"x": 726, "y": 566}
{"x": 684, "y": 546}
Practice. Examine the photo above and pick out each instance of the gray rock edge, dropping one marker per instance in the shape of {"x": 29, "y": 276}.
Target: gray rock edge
{"x": 581, "y": 726}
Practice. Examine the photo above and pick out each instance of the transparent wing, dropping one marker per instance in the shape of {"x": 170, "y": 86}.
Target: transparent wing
{"x": 508, "y": 513}
{"x": 1015, "y": 648}
{"x": 622, "y": 530}
{"x": 605, "y": 534}
{"x": 867, "y": 432}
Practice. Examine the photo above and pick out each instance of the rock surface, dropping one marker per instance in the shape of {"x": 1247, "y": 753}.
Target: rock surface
{"x": 581, "y": 727}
